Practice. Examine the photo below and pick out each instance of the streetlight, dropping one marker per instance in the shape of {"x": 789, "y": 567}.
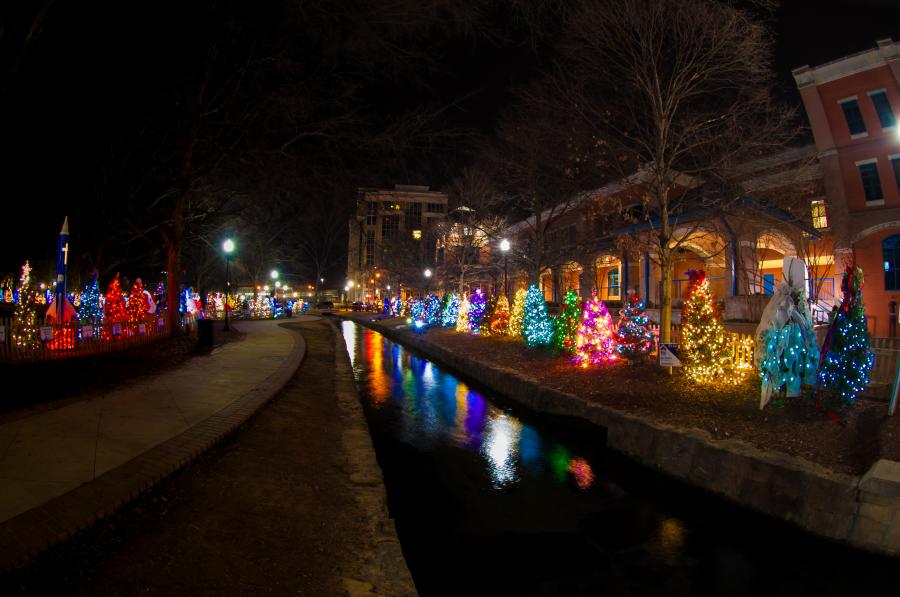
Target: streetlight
{"x": 274, "y": 274}
{"x": 504, "y": 248}
{"x": 228, "y": 248}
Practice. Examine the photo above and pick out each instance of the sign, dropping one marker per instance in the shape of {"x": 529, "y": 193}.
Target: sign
{"x": 87, "y": 332}
{"x": 142, "y": 329}
{"x": 117, "y": 329}
{"x": 668, "y": 355}
{"x": 2, "y": 334}
{"x": 46, "y": 333}
{"x": 159, "y": 324}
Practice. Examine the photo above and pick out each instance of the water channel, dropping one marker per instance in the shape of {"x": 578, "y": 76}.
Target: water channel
{"x": 490, "y": 499}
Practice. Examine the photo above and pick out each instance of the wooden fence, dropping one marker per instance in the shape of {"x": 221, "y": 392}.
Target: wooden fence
{"x": 67, "y": 340}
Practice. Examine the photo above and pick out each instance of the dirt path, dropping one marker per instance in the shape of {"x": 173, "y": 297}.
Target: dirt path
{"x": 272, "y": 510}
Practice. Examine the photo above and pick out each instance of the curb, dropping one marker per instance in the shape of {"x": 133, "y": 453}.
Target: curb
{"x": 28, "y": 534}
{"x": 860, "y": 511}
{"x": 380, "y": 568}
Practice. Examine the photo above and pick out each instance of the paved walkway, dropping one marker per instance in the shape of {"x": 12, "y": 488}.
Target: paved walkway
{"x": 53, "y": 452}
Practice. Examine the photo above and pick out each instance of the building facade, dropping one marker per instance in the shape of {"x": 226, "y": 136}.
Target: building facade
{"x": 391, "y": 242}
{"x": 852, "y": 105}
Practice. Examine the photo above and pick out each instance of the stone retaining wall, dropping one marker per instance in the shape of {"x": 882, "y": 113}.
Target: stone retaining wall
{"x": 864, "y": 512}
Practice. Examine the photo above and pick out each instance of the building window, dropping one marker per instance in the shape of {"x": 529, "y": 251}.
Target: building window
{"x": 436, "y": 208}
{"x": 370, "y": 247}
{"x": 890, "y": 249}
{"x": 390, "y": 225}
{"x": 883, "y": 108}
{"x": 417, "y": 234}
{"x": 895, "y": 164}
{"x": 371, "y": 214}
{"x": 868, "y": 172}
{"x": 413, "y": 215}
{"x": 855, "y": 121}
{"x": 612, "y": 282}
{"x": 819, "y": 217}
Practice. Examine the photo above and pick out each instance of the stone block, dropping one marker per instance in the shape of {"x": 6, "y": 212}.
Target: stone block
{"x": 868, "y": 533}
{"x": 883, "y": 478}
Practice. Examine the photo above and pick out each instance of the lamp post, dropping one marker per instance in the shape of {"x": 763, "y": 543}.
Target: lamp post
{"x": 504, "y": 248}
{"x": 427, "y": 273}
{"x": 228, "y": 248}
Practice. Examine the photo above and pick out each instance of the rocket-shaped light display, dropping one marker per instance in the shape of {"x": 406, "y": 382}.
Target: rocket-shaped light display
{"x": 61, "y": 309}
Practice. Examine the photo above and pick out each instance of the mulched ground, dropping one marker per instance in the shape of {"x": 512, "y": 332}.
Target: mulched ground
{"x": 865, "y": 434}
{"x": 53, "y": 384}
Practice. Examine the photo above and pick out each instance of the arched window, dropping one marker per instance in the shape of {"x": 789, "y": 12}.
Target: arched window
{"x": 612, "y": 282}
{"x": 890, "y": 250}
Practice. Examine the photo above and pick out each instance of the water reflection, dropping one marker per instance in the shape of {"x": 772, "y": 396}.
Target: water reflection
{"x": 434, "y": 407}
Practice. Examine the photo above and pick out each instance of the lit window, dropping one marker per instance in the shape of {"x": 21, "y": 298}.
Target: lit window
{"x": 854, "y": 118}
{"x": 612, "y": 279}
{"x": 883, "y": 108}
{"x": 819, "y": 217}
{"x": 868, "y": 172}
{"x": 417, "y": 234}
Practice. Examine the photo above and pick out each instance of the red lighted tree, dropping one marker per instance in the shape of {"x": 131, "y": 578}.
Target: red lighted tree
{"x": 114, "y": 309}
{"x": 136, "y": 309}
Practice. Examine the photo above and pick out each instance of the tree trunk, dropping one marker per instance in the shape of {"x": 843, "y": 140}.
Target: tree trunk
{"x": 173, "y": 277}
{"x": 665, "y": 307}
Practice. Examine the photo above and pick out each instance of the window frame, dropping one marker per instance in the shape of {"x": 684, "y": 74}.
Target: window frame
{"x": 879, "y": 112}
{"x": 614, "y": 272}
{"x": 866, "y": 164}
{"x": 819, "y": 214}
{"x": 894, "y": 270}
{"x": 844, "y": 104}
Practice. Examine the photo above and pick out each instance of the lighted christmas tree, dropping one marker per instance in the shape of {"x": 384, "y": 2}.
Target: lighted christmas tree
{"x": 500, "y": 319}
{"x": 89, "y": 310}
{"x": 462, "y": 317}
{"x": 25, "y": 320}
{"x": 160, "y": 294}
{"x": 705, "y": 350}
{"x": 478, "y": 304}
{"x": 537, "y": 329}
{"x": 633, "y": 337}
{"x": 136, "y": 308}
{"x": 485, "y": 328}
{"x": 450, "y": 311}
{"x": 847, "y": 356}
{"x": 386, "y": 309}
{"x": 432, "y": 311}
{"x": 786, "y": 352}
{"x": 567, "y": 322}
{"x": 416, "y": 309}
{"x": 595, "y": 342}
{"x": 517, "y": 313}
{"x": 114, "y": 308}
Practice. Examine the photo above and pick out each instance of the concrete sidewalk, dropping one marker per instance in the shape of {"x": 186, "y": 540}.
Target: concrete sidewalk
{"x": 47, "y": 456}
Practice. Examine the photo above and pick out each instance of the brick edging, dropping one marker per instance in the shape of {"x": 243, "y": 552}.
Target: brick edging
{"x": 803, "y": 493}
{"x": 28, "y": 534}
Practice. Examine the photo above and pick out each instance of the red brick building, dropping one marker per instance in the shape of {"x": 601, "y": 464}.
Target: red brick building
{"x": 852, "y": 105}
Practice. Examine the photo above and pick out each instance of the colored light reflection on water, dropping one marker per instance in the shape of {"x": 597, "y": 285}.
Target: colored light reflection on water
{"x": 437, "y": 407}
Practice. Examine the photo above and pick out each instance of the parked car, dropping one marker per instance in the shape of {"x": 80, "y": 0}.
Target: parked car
{"x": 325, "y": 305}
{"x": 357, "y": 306}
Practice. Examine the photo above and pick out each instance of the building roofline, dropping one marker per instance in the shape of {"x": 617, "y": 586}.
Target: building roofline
{"x": 887, "y": 51}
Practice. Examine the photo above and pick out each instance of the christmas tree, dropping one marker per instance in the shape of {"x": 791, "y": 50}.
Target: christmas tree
{"x": 517, "y": 313}
{"x": 24, "y": 324}
{"x": 847, "y": 357}
{"x": 704, "y": 341}
{"x": 136, "y": 309}
{"x": 633, "y": 337}
{"x": 537, "y": 329}
{"x": 566, "y": 323}
{"x": 485, "y": 328}
{"x": 478, "y": 303}
{"x": 161, "y": 297}
{"x": 500, "y": 320}
{"x": 89, "y": 311}
{"x": 432, "y": 310}
{"x": 462, "y": 318}
{"x": 114, "y": 309}
{"x": 595, "y": 341}
{"x": 450, "y": 312}
{"x": 416, "y": 310}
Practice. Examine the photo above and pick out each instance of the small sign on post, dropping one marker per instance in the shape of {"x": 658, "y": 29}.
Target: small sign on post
{"x": 46, "y": 333}
{"x": 142, "y": 329}
{"x": 668, "y": 355}
{"x": 87, "y": 332}
{"x": 117, "y": 329}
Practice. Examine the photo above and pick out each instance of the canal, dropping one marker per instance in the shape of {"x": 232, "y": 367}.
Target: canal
{"x": 491, "y": 499}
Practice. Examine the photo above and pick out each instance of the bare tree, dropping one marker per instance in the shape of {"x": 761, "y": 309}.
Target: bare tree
{"x": 680, "y": 89}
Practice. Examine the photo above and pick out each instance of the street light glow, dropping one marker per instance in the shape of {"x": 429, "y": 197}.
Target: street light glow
{"x": 274, "y": 274}
{"x": 427, "y": 273}
{"x": 228, "y": 246}
{"x": 504, "y": 245}
{"x": 349, "y": 283}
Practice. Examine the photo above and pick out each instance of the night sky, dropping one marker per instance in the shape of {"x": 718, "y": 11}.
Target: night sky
{"x": 110, "y": 67}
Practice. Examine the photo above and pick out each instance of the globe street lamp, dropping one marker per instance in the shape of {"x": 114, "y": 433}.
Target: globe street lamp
{"x": 228, "y": 249}
{"x": 427, "y": 273}
{"x": 504, "y": 248}
{"x": 274, "y": 274}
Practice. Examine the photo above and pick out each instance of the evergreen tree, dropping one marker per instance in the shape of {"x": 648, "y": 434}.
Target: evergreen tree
{"x": 595, "y": 341}
{"x": 847, "y": 357}
{"x": 161, "y": 294}
{"x": 567, "y": 322}
{"x": 136, "y": 308}
{"x": 89, "y": 311}
{"x": 478, "y": 303}
{"x": 450, "y": 312}
{"x": 485, "y": 327}
{"x": 500, "y": 320}
{"x": 432, "y": 310}
{"x": 462, "y": 317}
{"x": 25, "y": 320}
{"x": 537, "y": 329}
{"x": 114, "y": 308}
{"x": 517, "y": 313}
{"x": 633, "y": 337}
{"x": 705, "y": 349}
